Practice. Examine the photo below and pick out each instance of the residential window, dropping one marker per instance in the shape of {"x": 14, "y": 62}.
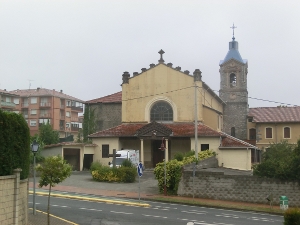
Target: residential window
{"x": 16, "y": 101}
{"x": 161, "y": 111}
{"x": 233, "y": 131}
{"x": 105, "y": 151}
{"x": 204, "y": 147}
{"x": 68, "y": 103}
{"x": 8, "y": 99}
{"x": 252, "y": 134}
{"x": 32, "y": 123}
{"x": 33, "y": 100}
{"x": 33, "y": 112}
{"x": 269, "y": 132}
{"x": 68, "y": 114}
{"x": 287, "y": 132}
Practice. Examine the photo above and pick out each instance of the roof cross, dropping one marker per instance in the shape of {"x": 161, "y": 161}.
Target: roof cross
{"x": 161, "y": 52}
{"x": 233, "y": 27}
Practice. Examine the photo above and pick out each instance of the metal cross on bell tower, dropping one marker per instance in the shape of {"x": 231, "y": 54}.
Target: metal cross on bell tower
{"x": 233, "y": 27}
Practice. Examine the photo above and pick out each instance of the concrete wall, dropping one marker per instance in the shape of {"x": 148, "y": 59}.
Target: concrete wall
{"x": 216, "y": 185}
{"x": 13, "y": 200}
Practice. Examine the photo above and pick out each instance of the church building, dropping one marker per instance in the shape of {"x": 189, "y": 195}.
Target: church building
{"x": 163, "y": 110}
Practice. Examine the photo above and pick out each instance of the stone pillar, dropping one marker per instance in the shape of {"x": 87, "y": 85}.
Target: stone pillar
{"x": 166, "y": 151}
{"x": 16, "y": 196}
{"x": 142, "y": 151}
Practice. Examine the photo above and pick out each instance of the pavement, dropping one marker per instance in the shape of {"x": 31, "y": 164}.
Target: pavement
{"x": 81, "y": 186}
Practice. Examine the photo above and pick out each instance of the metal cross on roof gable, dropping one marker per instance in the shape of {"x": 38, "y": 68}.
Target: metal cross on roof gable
{"x": 233, "y": 27}
{"x": 161, "y": 52}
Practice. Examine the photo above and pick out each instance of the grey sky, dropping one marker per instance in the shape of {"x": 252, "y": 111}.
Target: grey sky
{"x": 84, "y": 46}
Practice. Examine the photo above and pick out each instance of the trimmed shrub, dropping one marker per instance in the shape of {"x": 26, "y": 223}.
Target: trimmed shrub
{"x": 127, "y": 163}
{"x": 104, "y": 173}
{"x": 174, "y": 171}
{"x": 14, "y": 144}
{"x": 292, "y": 216}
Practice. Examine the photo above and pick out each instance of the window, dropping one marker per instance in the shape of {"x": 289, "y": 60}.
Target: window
{"x": 161, "y": 111}
{"x": 105, "y": 151}
{"x": 33, "y": 112}
{"x": 233, "y": 131}
{"x": 33, "y": 100}
{"x": 269, "y": 132}
{"x": 68, "y": 114}
{"x": 286, "y": 132}
{"x": 252, "y": 134}
{"x": 16, "y": 101}
{"x": 204, "y": 147}
{"x": 8, "y": 99}
{"x": 32, "y": 123}
{"x": 232, "y": 80}
{"x": 68, "y": 103}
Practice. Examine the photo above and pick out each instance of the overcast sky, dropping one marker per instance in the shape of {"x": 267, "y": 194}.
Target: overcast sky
{"x": 83, "y": 46}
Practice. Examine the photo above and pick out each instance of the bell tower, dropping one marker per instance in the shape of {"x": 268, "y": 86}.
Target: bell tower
{"x": 233, "y": 91}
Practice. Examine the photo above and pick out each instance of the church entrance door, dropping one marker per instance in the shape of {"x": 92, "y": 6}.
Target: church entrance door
{"x": 157, "y": 154}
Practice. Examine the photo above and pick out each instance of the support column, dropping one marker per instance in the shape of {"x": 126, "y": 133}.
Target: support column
{"x": 167, "y": 151}
{"x": 142, "y": 151}
{"x": 16, "y": 196}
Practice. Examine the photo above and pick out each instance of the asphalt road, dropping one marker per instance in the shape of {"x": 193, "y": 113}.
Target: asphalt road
{"x": 93, "y": 213}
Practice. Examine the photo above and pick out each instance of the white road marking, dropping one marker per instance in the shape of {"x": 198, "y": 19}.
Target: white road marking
{"x": 199, "y": 213}
{"x": 99, "y": 210}
{"x": 121, "y": 212}
{"x": 155, "y": 216}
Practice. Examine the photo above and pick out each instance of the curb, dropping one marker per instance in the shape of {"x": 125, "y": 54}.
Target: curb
{"x": 93, "y": 199}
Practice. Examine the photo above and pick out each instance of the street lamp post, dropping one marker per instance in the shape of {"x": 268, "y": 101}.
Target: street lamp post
{"x": 163, "y": 148}
{"x": 34, "y": 149}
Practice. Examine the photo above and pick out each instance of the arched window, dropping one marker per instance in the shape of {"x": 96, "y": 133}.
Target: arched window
{"x": 161, "y": 111}
{"x": 232, "y": 80}
{"x": 286, "y": 132}
{"x": 233, "y": 131}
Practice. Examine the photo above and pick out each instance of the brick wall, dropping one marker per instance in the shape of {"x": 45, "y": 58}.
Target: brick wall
{"x": 216, "y": 185}
{"x": 13, "y": 200}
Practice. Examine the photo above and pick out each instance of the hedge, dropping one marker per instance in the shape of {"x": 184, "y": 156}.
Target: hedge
{"x": 14, "y": 144}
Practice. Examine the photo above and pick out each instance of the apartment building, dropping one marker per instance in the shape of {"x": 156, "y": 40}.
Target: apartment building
{"x": 8, "y": 100}
{"x": 42, "y": 105}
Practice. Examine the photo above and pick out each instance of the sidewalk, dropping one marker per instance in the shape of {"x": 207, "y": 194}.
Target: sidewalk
{"x": 81, "y": 182}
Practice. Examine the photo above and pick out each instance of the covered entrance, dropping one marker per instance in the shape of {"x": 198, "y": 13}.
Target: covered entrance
{"x": 72, "y": 156}
{"x": 157, "y": 154}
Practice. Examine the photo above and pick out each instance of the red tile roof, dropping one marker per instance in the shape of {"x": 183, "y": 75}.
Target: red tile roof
{"x": 229, "y": 142}
{"x": 179, "y": 130}
{"x": 275, "y": 114}
{"x": 113, "y": 98}
{"x": 5, "y": 92}
{"x": 44, "y": 92}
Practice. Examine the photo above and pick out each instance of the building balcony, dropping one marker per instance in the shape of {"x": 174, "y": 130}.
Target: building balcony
{"x": 74, "y": 119}
{"x": 24, "y": 105}
{"x": 45, "y": 104}
{"x": 74, "y": 128}
{"x": 7, "y": 105}
{"x": 45, "y": 115}
{"x": 77, "y": 108}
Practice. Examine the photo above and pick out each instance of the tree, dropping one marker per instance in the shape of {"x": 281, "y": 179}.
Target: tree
{"x": 280, "y": 161}
{"x": 54, "y": 170}
{"x": 48, "y": 135}
{"x": 88, "y": 122}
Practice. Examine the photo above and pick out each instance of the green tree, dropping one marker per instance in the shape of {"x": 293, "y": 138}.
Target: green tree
{"x": 280, "y": 161}
{"x": 89, "y": 125}
{"x": 48, "y": 135}
{"x": 54, "y": 170}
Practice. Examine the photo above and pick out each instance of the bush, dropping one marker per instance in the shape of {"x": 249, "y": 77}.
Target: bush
{"x": 15, "y": 144}
{"x": 95, "y": 166}
{"x": 104, "y": 173}
{"x": 174, "y": 170}
{"x": 292, "y": 216}
{"x": 178, "y": 156}
{"x": 127, "y": 163}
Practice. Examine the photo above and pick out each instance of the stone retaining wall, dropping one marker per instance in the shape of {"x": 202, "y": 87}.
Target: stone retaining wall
{"x": 13, "y": 200}
{"x": 216, "y": 185}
